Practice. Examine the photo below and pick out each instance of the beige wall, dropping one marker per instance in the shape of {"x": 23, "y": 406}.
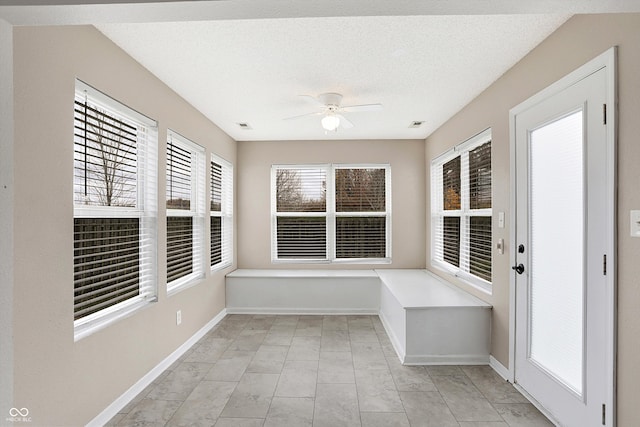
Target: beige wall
{"x": 579, "y": 40}
{"x": 254, "y": 204}
{"x": 6, "y": 216}
{"x": 59, "y": 381}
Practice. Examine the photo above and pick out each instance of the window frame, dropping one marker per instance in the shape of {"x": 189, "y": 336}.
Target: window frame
{"x": 465, "y": 213}
{"x": 196, "y": 211}
{"x": 330, "y": 214}
{"x": 225, "y": 213}
{"x": 145, "y": 210}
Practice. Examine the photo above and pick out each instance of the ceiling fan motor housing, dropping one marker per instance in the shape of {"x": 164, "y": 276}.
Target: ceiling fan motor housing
{"x": 330, "y": 99}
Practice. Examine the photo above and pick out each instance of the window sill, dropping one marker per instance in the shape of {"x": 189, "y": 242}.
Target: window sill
{"x": 183, "y": 283}
{"x": 83, "y": 328}
{"x": 485, "y": 288}
{"x": 219, "y": 267}
{"x": 351, "y": 261}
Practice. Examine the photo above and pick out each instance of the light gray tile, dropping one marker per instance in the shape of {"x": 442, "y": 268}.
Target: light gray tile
{"x": 151, "y": 412}
{"x": 456, "y": 384}
{"x": 310, "y": 320}
{"x": 308, "y": 330}
{"x": 427, "y": 409}
{"x": 179, "y": 383}
{"x": 298, "y": 379}
{"x": 290, "y": 412}
{"x": 466, "y": 407}
{"x": 240, "y": 422}
{"x": 226, "y": 331}
{"x": 360, "y": 321}
{"x": 115, "y": 420}
{"x": 144, "y": 393}
{"x": 410, "y": 378}
{"x": 438, "y": 370}
{"x": 231, "y": 366}
{"x": 368, "y": 355}
{"x": 377, "y": 391}
{"x": 384, "y": 419}
{"x": 480, "y": 372}
{"x": 286, "y": 320}
{"x": 483, "y": 424}
{"x": 252, "y": 396}
{"x": 335, "y": 341}
{"x": 209, "y": 350}
{"x": 260, "y": 323}
{"x": 521, "y": 415}
{"x": 334, "y": 323}
{"x": 336, "y": 368}
{"x": 248, "y": 340}
{"x": 304, "y": 348}
{"x": 277, "y": 339}
{"x": 269, "y": 359}
{"x": 283, "y": 329}
{"x": 204, "y": 404}
{"x": 336, "y": 406}
{"x": 363, "y": 336}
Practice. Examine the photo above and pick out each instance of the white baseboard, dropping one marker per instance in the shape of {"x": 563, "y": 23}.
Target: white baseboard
{"x": 395, "y": 342}
{"x": 448, "y": 359}
{"x": 301, "y": 311}
{"x": 500, "y": 369}
{"x": 122, "y": 401}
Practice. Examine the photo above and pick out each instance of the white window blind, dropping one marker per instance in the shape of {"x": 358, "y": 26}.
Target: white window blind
{"x": 331, "y": 213}
{"x": 461, "y": 210}
{"x": 115, "y": 209}
{"x": 361, "y": 214}
{"x": 221, "y": 212}
{"x": 185, "y": 211}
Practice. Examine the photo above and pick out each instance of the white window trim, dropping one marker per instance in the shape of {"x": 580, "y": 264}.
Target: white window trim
{"x": 464, "y": 213}
{"x": 196, "y": 211}
{"x": 226, "y": 213}
{"x": 146, "y": 210}
{"x": 330, "y": 214}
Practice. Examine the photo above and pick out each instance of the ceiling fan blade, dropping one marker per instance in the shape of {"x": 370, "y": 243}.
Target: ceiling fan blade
{"x": 360, "y": 108}
{"x": 304, "y": 115}
{"x": 344, "y": 122}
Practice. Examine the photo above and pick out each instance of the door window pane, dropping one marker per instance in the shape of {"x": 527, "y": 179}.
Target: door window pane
{"x": 557, "y": 249}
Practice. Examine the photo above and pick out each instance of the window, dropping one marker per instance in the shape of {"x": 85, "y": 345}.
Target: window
{"x": 221, "y": 212}
{"x": 461, "y": 210}
{"x": 115, "y": 210}
{"x": 185, "y": 211}
{"x": 331, "y": 213}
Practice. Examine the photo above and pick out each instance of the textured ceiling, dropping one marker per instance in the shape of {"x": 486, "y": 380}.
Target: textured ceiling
{"x": 423, "y": 68}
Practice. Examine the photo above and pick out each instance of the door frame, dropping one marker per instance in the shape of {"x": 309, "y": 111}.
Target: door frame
{"x": 606, "y": 60}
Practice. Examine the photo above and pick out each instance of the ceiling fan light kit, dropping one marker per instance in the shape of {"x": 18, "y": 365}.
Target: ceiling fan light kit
{"x": 330, "y": 103}
{"x": 330, "y": 122}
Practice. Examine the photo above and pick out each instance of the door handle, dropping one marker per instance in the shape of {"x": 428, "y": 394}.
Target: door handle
{"x": 518, "y": 268}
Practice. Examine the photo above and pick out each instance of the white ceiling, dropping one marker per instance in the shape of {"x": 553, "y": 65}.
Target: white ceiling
{"x": 422, "y": 68}
{"x": 242, "y": 61}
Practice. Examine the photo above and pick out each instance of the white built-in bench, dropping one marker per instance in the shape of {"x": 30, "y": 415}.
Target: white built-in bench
{"x": 431, "y": 322}
{"x": 303, "y": 291}
{"x": 428, "y": 321}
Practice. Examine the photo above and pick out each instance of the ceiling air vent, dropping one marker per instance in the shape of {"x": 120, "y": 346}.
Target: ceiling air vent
{"x": 245, "y": 126}
{"x": 416, "y": 123}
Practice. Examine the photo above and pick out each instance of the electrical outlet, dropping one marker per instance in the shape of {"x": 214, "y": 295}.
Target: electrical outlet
{"x": 178, "y": 317}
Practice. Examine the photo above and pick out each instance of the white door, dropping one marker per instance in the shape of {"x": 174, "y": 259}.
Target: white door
{"x": 563, "y": 234}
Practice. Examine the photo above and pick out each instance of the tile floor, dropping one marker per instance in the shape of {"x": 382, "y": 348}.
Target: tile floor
{"x": 320, "y": 371}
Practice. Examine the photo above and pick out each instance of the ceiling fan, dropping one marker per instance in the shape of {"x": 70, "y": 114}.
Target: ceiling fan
{"x": 332, "y": 111}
